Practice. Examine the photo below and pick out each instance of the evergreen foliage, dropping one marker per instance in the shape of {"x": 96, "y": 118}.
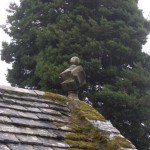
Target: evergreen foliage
{"x": 108, "y": 37}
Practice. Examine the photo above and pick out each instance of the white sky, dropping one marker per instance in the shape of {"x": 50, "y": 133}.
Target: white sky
{"x": 143, "y": 4}
{"x": 3, "y": 66}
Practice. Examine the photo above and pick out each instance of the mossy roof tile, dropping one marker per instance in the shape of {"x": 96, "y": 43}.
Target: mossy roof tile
{"x": 37, "y": 120}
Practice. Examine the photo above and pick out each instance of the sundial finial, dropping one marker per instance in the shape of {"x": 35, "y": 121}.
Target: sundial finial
{"x": 73, "y": 78}
{"x": 75, "y": 61}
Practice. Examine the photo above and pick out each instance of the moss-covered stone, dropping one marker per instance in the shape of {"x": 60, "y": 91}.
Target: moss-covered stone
{"x": 89, "y": 112}
{"x": 56, "y": 97}
{"x": 76, "y": 136}
{"x": 85, "y": 135}
{"x": 118, "y": 142}
{"x": 82, "y": 144}
{"x": 59, "y": 124}
{"x": 74, "y": 149}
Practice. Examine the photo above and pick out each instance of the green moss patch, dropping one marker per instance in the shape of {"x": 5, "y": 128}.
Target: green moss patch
{"x": 85, "y": 135}
{"x": 81, "y": 144}
{"x": 89, "y": 112}
{"x": 117, "y": 143}
{"x": 56, "y": 97}
{"x": 74, "y": 149}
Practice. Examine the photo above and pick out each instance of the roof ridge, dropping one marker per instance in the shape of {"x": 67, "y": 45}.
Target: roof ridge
{"x": 32, "y": 118}
{"x": 21, "y": 90}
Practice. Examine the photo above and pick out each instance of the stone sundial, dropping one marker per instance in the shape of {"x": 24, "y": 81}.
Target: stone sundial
{"x": 73, "y": 78}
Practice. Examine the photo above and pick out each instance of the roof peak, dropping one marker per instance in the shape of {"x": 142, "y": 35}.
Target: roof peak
{"x": 21, "y": 90}
{"x": 32, "y": 118}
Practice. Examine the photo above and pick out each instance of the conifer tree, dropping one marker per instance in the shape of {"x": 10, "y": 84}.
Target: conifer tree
{"x": 108, "y": 37}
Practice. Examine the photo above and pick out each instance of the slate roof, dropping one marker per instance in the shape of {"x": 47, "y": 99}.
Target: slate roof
{"x": 30, "y": 120}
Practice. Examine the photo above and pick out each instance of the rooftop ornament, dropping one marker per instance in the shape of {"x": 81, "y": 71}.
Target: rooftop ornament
{"x": 73, "y": 78}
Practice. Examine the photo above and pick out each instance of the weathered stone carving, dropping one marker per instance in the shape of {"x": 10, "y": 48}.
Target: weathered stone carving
{"x": 73, "y": 78}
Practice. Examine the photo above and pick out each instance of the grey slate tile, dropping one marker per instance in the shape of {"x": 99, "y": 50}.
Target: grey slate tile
{"x": 32, "y": 99}
{"x": 42, "y": 105}
{"x": 4, "y": 119}
{"x": 32, "y": 123}
{"x": 41, "y": 132}
{"x": 59, "y": 108}
{"x": 10, "y": 129}
{"x": 28, "y": 131}
{"x": 52, "y": 118}
{"x": 11, "y": 112}
{"x": 41, "y": 148}
{"x": 28, "y": 139}
{"x": 50, "y": 111}
{"x": 27, "y": 115}
{"x": 17, "y": 107}
{"x": 8, "y": 112}
{"x": 34, "y": 104}
{"x": 35, "y": 99}
{"x": 6, "y": 137}
{"x": 46, "y": 117}
{"x": 33, "y": 109}
{"x": 21, "y": 121}
{"x": 20, "y": 147}
{"x": 60, "y": 134}
{"x": 3, "y": 147}
{"x": 16, "y": 90}
{"x": 27, "y": 123}
{"x": 8, "y": 101}
{"x": 12, "y": 106}
{"x": 47, "y": 133}
{"x": 23, "y": 103}
{"x": 54, "y": 143}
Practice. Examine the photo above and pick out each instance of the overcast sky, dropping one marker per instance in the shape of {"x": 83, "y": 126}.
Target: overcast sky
{"x": 143, "y": 4}
{"x": 3, "y": 37}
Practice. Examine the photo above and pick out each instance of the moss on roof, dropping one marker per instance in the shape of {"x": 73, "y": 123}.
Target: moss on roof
{"x": 55, "y": 97}
{"x": 89, "y": 112}
{"x": 85, "y": 135}
{"x": 68, "y": 121}
{"x": 118, "y": 142}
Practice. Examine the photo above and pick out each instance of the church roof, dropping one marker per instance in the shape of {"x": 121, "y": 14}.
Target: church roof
{"x": 37, "y": 120}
